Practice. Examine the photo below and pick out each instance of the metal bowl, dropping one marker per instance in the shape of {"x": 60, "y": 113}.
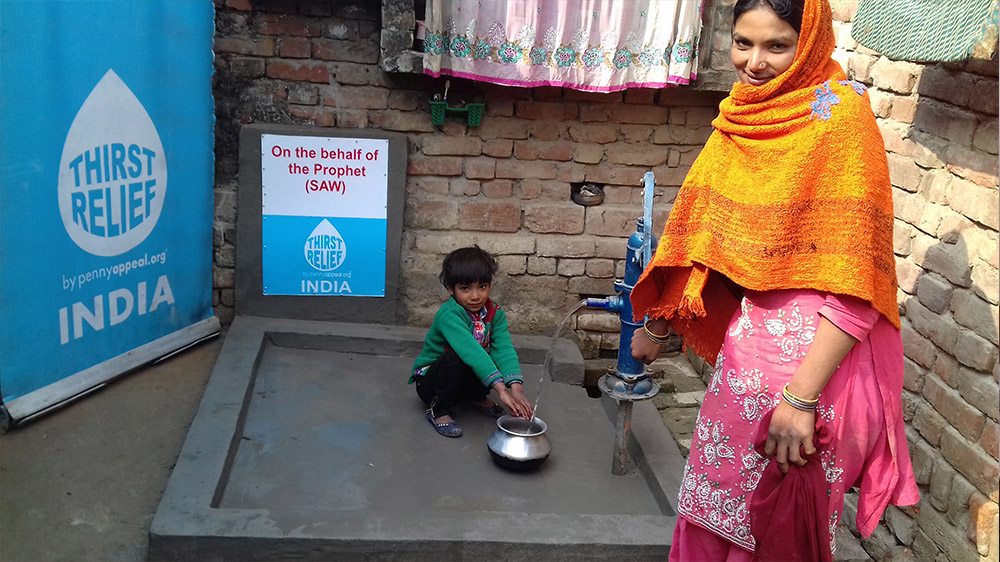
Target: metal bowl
{"x": 519, "y": 443}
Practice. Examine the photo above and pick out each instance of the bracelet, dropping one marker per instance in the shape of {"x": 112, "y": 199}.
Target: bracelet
{"x": 655, "y": 338}
{"x": 798, "y": 403}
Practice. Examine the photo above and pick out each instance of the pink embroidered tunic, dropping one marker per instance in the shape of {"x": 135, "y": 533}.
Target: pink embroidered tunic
{"x": 766, "y": 340}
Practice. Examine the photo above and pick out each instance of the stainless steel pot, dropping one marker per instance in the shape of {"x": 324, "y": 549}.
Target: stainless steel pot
{"x": 519, "y": 443}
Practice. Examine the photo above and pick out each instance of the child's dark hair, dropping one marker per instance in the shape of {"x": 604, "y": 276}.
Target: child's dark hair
{"x": 788, "y": 10}
{"x": 465, "y": 266}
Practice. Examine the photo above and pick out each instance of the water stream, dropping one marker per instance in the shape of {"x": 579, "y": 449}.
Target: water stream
{"x": 548, "y": 355}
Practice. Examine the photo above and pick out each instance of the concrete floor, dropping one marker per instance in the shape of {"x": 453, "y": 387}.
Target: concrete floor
{"x": 82, "y": 483}
{"x": 309, "y": 444}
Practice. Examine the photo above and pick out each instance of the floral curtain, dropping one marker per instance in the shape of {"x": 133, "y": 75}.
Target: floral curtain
{"x": 591, "y": 45}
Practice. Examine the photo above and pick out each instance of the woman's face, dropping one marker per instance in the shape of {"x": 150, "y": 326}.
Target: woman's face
{"x": 763, "y": 45}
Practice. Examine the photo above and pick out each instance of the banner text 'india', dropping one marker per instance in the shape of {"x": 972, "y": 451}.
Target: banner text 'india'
{"x": 106, "y": 140}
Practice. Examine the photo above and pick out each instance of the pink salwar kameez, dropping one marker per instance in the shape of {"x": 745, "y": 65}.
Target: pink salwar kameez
{"x": 861, "y": 405}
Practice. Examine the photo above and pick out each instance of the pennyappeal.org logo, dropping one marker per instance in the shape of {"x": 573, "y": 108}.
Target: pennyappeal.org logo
{"x": 325, "y": 249}
{"x": 113, "y": 173}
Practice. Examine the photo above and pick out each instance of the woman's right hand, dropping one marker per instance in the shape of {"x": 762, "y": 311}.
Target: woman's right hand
{"x": 643, "y": 348}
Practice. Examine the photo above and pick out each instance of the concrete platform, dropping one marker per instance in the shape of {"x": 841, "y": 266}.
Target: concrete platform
{"x": 309, "y": 444}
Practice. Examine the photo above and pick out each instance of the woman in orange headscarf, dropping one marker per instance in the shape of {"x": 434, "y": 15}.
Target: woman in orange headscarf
{"x": 776, "y": 264}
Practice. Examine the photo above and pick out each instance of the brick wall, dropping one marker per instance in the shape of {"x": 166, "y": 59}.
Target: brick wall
{"x": 506, "y": 185}
{"x": 939, "y": 123}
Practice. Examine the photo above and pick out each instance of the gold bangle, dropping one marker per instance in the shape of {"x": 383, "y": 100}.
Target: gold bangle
{"x": 785, "y": 391}
{"x": 653, "y": 336}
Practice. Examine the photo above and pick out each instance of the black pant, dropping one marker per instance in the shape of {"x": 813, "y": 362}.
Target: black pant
{"x": 449, "y": 382}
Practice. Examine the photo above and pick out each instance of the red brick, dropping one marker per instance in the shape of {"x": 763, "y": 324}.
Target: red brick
{"x": 986, "y": 137}
{"x": 897, "y": 76}
{"x": 596, "y": 134}
{"x": 426, "y": 185}
{"x": 261, "y": 46}
{"x": 618, "y": 175}
{"x": 980, "y": 390}
{"x": 364, "y": 52}
{"x": 359, "y": 97}
{"x": 564, "y": 246}
{"x": 355, "y": 75}
{"x": 302, "y": 72}
{"x": 480, "y": 168}
{"x": 971, "y": 461}
{"x": 607, "y": 221}
{"x": 294, "y": 48}
{"x": 974, "y": 165}
{"x": 945, "y": 121}
{"x": 500, "y": 108}
{"x": 945, "y": 84}
{"x": 599, "y": 97}
{"x": 503, "y": 128}
{"x": 242, "y": 5}
{"x": 288, "y": 25}
{"x": 990, "y": 439}
{"x": 546, "y": 110}
{"x": 462, "y": 186}
{"x": 434, "y": 145}
{"x": 571, "y": 172}
{"x": 893, "y": 137}
{"x": 948, "y": 369}
{"x": 637, "y": 155}
{"x": 498, "y": 148}
{"x": 643, "y": 96}
{"x": 434, "y": 166}
{"x": 563, "y": 218}
{"x": 984, "y": 97}
{"x": 963, "y": 417}
{"x": 246, "y": 66}
{"x": 529, "y": 188}
{"x": 527, "y": 150}
{"x": 636, "y": 134}
{"x": 929, "y": 423}
{"x": 690, "y": 135}
{"x": 407, "y": 121}
{"x": 594, "y": 113}
{"x": 352, "y": 118}
{"x": 518, "y": 169}
{"x": 498, "y": 189}
{"x": 547, "y": 131}
{"x": 588, "y": 153}
{"x": 601, "y": 268}
{"x": 490, "y": 217}
{"x": 642, "y": 114}
{"x": 982, "y": 524}
{"x": 913, "y": 375}
{"x": 547, "y": 93}
{"x": 315, "y": 115}
{"x": 398, "y": 99}
{"x": 434, "y": 214}
{"x": 904, "y": 108}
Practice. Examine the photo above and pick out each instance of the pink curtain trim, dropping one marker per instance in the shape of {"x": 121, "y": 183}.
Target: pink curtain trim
{"x": 671, "y": 82}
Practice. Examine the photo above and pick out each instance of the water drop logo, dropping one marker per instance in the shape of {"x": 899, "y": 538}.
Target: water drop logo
{"x": 113, "y": 173}
{"x": 325, "y": 248}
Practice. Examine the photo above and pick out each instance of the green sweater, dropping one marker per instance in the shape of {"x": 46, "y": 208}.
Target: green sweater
{"x": 452, "y": 328}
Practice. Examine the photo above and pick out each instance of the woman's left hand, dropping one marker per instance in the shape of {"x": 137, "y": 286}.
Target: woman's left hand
{"x": 790, "y": 435}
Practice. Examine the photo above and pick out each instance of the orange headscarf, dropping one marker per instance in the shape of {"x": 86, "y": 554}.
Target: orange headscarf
{"x": 790, "y": 192}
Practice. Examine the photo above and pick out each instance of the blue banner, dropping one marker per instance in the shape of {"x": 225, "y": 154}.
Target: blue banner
{"x": 106, "y": 145}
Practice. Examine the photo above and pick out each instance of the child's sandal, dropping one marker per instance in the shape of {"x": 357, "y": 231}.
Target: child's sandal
{"x": 450, "y": 429}
{"x": 494, "y": 411}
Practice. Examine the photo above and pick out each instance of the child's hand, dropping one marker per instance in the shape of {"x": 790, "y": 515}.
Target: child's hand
{"x": 524, "y": 405}
{"x": 514, "y": 399}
